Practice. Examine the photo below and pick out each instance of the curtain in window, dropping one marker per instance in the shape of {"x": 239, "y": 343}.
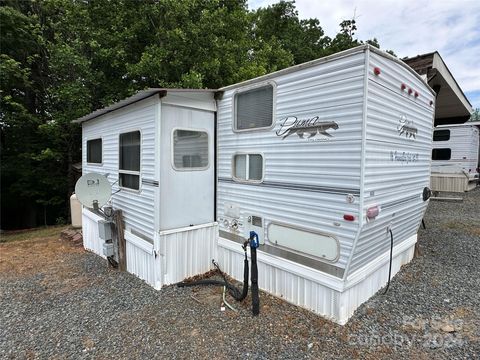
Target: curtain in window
{"x": 130, "y": 151}
{"x": 254, "y": 108}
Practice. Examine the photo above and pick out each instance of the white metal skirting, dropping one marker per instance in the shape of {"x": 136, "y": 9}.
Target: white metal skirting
{"x": 91, "y": 241}
{"x": 175, "y": 255}
{"x": 314, "y": 290}
{"x": 187, "y": 251}
{"x": 451, "y": 182}
{"x": 141, "y": 259}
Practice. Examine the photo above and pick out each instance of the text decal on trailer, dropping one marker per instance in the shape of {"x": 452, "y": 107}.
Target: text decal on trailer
{"x": 403, "y": 156}
{"x": 406, "y": 127}
{"x": 311, "y": 126}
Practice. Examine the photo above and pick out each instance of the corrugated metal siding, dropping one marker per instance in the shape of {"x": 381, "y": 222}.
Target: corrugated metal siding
{"x": 140, "y": 258}
{"x": 397, "y": 165}
{"x": 310, "y": 289}
{"x": 464, "y": 143}
{"x": 290, "y": 286}
{"x": 451, "y": 182}
{"x": 137, "y": 206}
{"x": 187, "y": 252}
{"x": 334, "y": 92}
{"x": 91, "y": 241}
{"x": 356, "y": 295}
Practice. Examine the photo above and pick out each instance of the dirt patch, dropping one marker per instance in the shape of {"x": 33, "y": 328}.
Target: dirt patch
{"x": 471, "y": 227}
{"x": 47, "y": 254}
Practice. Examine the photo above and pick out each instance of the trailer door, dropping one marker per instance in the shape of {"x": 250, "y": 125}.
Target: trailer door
{"x": 187, "y": 167}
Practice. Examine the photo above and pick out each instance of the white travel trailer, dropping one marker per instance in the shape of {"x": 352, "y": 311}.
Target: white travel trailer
{"x": 327, "y": 161}
{"x": 455, "y": 158}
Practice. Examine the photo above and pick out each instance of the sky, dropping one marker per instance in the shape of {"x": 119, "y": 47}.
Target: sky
{"x": 409, "y": 28}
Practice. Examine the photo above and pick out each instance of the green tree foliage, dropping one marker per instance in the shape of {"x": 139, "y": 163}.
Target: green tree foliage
{"x": 61, "y": 59}
{"x": 475, "y": 115}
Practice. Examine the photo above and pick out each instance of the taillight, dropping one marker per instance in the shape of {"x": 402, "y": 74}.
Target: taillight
{"x": 348, "y": 217}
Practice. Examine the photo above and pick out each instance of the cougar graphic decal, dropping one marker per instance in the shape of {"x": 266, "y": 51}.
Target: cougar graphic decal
{"x": 309, "y": 127}
{"x": 406, "y": 127}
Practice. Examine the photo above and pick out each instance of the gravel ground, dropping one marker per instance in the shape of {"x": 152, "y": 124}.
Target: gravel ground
{"x": 58, "y": 301}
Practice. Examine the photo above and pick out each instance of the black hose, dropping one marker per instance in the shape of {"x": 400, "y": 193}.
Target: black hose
{"x": 112, "y": 262}
{"x": 207, "y": 282}
{"x": 245, "y": 279}
{"x": 390, "y": 266}
{"x": 254, "y": 278}
{"x": 234, "y": 292}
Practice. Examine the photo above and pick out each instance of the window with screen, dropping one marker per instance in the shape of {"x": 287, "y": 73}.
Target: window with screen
{"x": 190, "y": 149}
{"x": 441, "y": 154}
{"x": 254, "y": 108}
{"x": 441, "y": 135}
{"x": 248, "y": 167}
{"x": 129, "y": 167}
{"x": 94, "y": 151}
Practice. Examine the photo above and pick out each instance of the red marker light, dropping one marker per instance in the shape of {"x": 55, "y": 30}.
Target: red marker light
{"x": 348, "y": 217}
{"x": 410, "y": 91}
{"x": 431, "y": 102}
{"x": 403, "y": 87}
{"x": 416, "y": 93}
{"x": 377, "y": 71}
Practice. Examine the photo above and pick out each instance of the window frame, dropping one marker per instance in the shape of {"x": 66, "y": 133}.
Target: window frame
{"x": 446, "y": 148}
{"x": 248, "y": 88}
{"x": 172, "y": 155}
{"x": 438, "y": 130}
{"x": 247, "y": 168}
{"x": 86, "y": 151}
{"x": 130, "y": 172}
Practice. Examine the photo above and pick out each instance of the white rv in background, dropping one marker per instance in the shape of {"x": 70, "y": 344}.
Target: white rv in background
{"x": 328, "y": 162}
{"x": 455, "y": 158}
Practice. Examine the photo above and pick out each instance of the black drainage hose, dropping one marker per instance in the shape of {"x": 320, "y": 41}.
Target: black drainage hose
{"x": 390, "y": 265}
{"x": 236, "y": 294}
{"x": 254, "y": 278}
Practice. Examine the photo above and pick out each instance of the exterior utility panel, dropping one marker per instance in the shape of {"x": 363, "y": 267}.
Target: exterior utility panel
{"x": 455, "y": 158}
{"x": 304, "y": 154}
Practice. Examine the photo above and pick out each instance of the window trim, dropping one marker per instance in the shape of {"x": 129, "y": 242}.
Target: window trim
{"x": 172, "y": 158}
{"x": 247, "y": 162}
{"x": 130, "y": 172}
{"x": 248, "y": 88}
{"x": 86, "y": 151}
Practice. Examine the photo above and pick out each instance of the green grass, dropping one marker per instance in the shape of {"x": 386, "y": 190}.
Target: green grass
{"x": 31, "y": 234}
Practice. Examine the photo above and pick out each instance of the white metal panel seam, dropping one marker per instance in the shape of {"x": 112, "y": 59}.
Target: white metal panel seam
{"x": 362, "y": 162}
